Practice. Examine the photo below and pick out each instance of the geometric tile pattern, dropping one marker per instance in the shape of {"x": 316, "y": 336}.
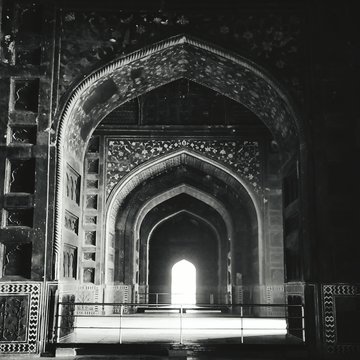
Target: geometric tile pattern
{"x": 329, "y": 292}
{"x": 32, "y": 292}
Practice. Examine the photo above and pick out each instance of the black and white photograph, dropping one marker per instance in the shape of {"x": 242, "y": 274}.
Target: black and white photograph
{"x": 179, "y": 180}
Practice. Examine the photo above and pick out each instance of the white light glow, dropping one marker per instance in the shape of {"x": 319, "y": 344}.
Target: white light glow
{"x": 183, "y": 283}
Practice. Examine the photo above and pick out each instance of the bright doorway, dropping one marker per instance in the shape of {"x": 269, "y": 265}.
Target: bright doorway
{"x": 183, "y": 283}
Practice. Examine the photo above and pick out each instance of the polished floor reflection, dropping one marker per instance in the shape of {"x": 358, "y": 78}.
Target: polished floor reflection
{"x": 170, "y": 327}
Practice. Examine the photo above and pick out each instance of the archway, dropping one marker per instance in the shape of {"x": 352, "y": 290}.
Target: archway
{"x": 161, "y": 172}
{"x": 183, "y": 236}
{"x": 120, "y": 81}
{"x": 183, "y": 283}
{"x": 222, "y": 226}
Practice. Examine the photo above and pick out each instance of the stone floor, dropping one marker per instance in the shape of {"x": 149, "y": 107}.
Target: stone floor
{"x": 170, "y": 328}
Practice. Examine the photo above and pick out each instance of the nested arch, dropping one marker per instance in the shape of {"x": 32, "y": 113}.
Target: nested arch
{"x": 181, "y": 56}
{"x": 162, "y": 163}
{"x": 167, "y": 238}
{"x": 152, "y": 222}
{"x": 183, "y": 189}
{"x": 142, "y": 71}
{"x": 151, "y": 172}
{"x": 147, "y": 207}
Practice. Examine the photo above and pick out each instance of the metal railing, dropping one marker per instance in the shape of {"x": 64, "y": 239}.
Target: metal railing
{"x": 167, "y": 323}
{"x": 165, "y": 297}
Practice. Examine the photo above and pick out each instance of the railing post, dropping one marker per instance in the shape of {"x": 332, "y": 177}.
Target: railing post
{"x": 181, "y": 313}
{"x": 156, "y": 298}
{"x": 56, "y": 325}
{"x": 120, "y": 328}
{"x": 242, "y": 323}
{"x": 303, "y": 322}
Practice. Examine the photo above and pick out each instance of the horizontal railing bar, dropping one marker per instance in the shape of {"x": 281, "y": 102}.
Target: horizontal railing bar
{"x": 233, "y": 316}
{"x": 185, "y": 328}
{"x": 185, "y": 306}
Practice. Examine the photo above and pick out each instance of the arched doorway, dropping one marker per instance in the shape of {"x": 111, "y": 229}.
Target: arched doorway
{"x": 219, "y": 196}
{"x": 184, "y": 236}
{"x": 183, "y": 283}
{"x": 221, "y": 167}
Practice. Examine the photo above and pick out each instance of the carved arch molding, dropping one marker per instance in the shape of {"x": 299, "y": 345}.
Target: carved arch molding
{"x": 144, "y": 70}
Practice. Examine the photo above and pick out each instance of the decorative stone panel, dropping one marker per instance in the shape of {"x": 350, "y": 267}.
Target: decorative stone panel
{"x": 88, "y": 275}
{"x": 90, "y": 238}
{"x": 350, "y": 296}
{"x": 19, "y": 317}
{"x": 19, "y": 217}
{"x": 25, "y": 96}
{"x": 90, "y": 219}
{"x": 243, "y": 156}
{"x": 71, "y": 222}
{"x": 88, "y": 293}
{"x": 16, "y": 259}
{"x": 91, "y": 202}
{"x": 22, "y": 176}
{"x": 73, "y": 181}
{"x": 175, "y": 58}
{"x": 23, "y": 135}
{"x": 70, "y": 261}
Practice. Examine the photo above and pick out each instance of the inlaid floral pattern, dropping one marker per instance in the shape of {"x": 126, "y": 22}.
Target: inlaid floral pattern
{"x": 271, "y": 37}
{"x": 123, "y": 156}
{"x": 201, "y": 66}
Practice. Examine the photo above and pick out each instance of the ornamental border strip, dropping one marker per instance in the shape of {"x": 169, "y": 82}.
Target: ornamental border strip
{"x": 33, "y": 292}
{"x": 328, "y": 293}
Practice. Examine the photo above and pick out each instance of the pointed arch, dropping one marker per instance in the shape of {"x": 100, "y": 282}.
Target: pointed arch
{"x": 179, "y": 57}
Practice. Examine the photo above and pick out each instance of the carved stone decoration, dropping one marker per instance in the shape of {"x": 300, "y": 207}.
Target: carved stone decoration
{"x": 89, "y": 256}
{"x": 90, "y": 238}
{"x": 91, "y": 202}
{"x": 69, "y": 261}
{"x": 88, "y": 293}
{"x": 330, "y": 293}
{"x": 93, "y": 166}
{"x": 90, "y": 219}
{"x": 19, "y": 317}
{"x": 94, "y": 144}
{"x": 168, "y": 61}
{"x": 243, "y": 156}
{"x": 92, "y": 184}
{"x": 71, "y": 222}
{"x": 73, "y": 183}
{"x": 89, "y": 275}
